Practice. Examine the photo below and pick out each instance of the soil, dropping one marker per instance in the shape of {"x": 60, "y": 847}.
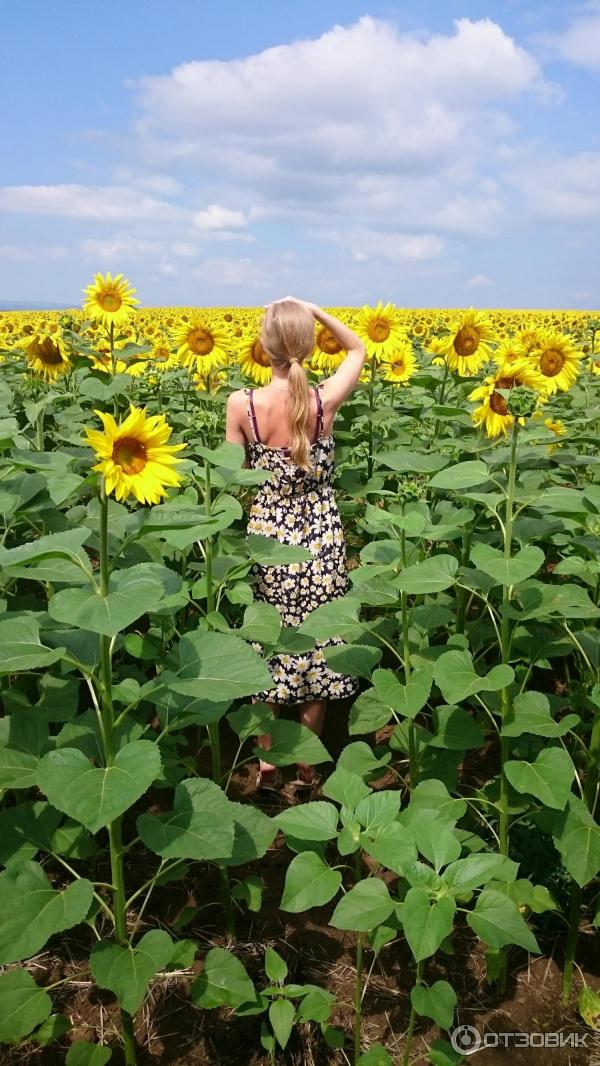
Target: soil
{"x": 171, "y": 1031}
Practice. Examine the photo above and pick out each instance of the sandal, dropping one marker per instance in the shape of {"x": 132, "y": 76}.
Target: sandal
{"x": 269, "y": 781}
{"x": 299, "y": 784}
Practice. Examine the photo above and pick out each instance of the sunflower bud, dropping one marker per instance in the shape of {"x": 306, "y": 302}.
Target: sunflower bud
{"x": 522, "y": 401}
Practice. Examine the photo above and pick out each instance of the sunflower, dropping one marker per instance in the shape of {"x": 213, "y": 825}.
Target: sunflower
{"x": 466, "y": 348}
{"x": 379, "y": 329}
{"x": 595, "y": 366}
{"x": 328, "y": 352}
{"x": 399, "y": 367}
{"x": 493, "y": 411}
{"x": 46, "y": 354}
{"x": 510, "y": 351}
{"x": 201, "y": 343}
{"x": 161, "y": 356}
{"x": 109, "y": 300}
{"x": 101, "y": 360}
{"x": 556, "y": 426}
{"x": 134, "y": 456}
{"x": 557, "y": 358}
{"x": 211, "y": 382}
{"x": 254, "y": 361}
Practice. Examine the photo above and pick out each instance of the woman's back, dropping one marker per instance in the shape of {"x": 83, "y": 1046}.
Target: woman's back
{"x": 269, "y": 405}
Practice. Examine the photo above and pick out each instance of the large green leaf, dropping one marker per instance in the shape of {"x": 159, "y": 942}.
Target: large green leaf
{"x": 82, "y": 1053}
{"x": 338, "y": 618}
{"x": 434, "y": 574}
{"x": 281, "y": 1017}
{"x": 33, "y": 911}
{"x": 293, "y": 742}
{"x": 577, "y": 837}
{"x": 96, "y": 795}
{"x": 218, "y": 667}
{"x": 200, "y": 826}
{"x": 254, "y": 831}
{"x": 437, "y": 1002}
{"x": 21, "y": 649}
{"x": 393, "y": 847}
{"x": 131, "y": 594}
{"x": 436, "y": 842}
{"x": 357, "y": 660}
{"x": 22, "y": 1005}
{"x": 519, "y": 567}
{"x": 366, "y": 905}
{"x": 455, "y": 729}
{"x": 262, "y": 622}
{"x": 549, "y": 778}
{"x": 461, "y": 476}
{"x": 426, "y": 924}
{"x": 457, "y": 678}
{"x": 127, "y": 970}
{"x": 407, "y": 699}
{"x": 309, "y": 882}
{"x": 475, "y": 870}
{"x": 530, "y": 713}
{"x": 497, "y": 921}
{"x": 224, "y": 981}
{"x": 267, "y": 551}
{"x": 315, "y": 820}
{"x": 66, "y": 544}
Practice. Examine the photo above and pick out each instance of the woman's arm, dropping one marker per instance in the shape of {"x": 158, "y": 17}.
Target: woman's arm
{"x": 236, "y": 409}
{"x": 339, "y": 386}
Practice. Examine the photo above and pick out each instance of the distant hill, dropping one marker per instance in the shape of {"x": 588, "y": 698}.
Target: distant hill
{"x": 17, "y": 305}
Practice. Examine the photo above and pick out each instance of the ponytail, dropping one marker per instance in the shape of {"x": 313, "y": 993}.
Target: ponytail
{"x": 288, "y": 337}
{"x": 298, "y": 414}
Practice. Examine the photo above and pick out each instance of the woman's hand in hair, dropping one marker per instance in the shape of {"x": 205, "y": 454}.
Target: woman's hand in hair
{"x": 295, "y": 300}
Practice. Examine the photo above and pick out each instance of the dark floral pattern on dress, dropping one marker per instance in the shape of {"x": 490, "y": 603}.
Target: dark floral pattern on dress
{"x": 297, "y": 507}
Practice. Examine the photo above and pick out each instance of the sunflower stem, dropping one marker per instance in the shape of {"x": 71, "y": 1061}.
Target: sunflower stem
{"x": 39, "y": 430}
{"x": 413, "y": 1015}
{"x": 412, "y": 746}
{"x": 114, "y": 828}
{"x": 371, "y": 409}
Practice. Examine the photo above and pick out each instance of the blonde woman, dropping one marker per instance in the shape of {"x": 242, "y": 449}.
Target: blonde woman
{"x": 286, "y": 427}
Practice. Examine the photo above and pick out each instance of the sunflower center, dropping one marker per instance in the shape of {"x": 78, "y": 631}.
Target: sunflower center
{"x": 161, "y": 354}
{"x": 398, "y": 366}
{"x": 47, "y": 352}
{"x": 110, "y": 301}
{"x": 259, "y": 355}
{"x": 379, "y": 330}
{"x": 552, "y": 362}
{"x": 466, "y": 341}
{"x": 130, "y": 454}
{"x": 498, "y": 404}
{"x": 200, "y": 341}
{"x": 327, "y": 342}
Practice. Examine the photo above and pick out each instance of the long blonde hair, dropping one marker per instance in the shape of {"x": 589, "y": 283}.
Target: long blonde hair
{"x": 288, "y": 338}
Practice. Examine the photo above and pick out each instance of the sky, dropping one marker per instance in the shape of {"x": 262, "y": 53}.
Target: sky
{"x": 430, "y": 153}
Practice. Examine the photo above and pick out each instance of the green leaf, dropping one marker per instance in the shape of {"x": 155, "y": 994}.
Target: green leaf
{"x": 426, "y": 924}
{"x": 455, "y": 729}
{"x": 85, "y": 1054}
{"x": 224, "y": 981}
{"x": 218, "y": 667}
{"x": 457, "y": 678}
{"x": 437, "y": 1002}
{"x": 131, "y": 594}
{"x": 357, "y": 660}
{"x": 95, "y": 795}
{"x": 436, "y": 842}
{"x": 66, "y": 545}
{"x": 337, "y": 618}
{"x": 461, "y": 476}
{"x": 346, "y": 787}
{"x": 22, "y": 1005}
{"x": 315, "y": 820}
{"x": 393, "y": 847}
{"x": 292, "y": 742}
{"x": 530, "y": 713}
{"x": 250, "y": 892}
{"x": 200, "y": 826}
{"x": 127, "y": 970}
{"x": 267, "y": 551}
{"x": 363, "y": 907}
{"x": 475, "y": 870}
{"x": 378, "y": 810}
{"x": 375, "y": 1056}
{"x": 33, "y": 911}
{"x": 496, "y": 920}
{"x": 549, "y": 778}
{"x": 408, "y": 699}
{"x": 434, "y": 574}
{"x": 262, "y": 622}
{"x": 21, "y": 649}
{"x": 519, "y": 567}
{"x": 253, "y": 830}
{"x": 275, "y": 967}
{"x": 358, "y": 758}
{"x": 577, "y": 838}
{"x": 309, "y": 882}
{"x": 281, "y": 1017}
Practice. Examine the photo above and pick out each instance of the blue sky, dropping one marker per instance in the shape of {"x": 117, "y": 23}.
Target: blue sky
{"x": 431, "y": 153}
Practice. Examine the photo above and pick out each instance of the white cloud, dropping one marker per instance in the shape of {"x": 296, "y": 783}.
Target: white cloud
{"x": 215, "y": 217}
{"x": 394, "y": 247}
{"x": 579, "y": 42}
{"x": 561, "y": 188}
{"x": 103, "y": 203}
{"x": 478, "y": 281}
{"x": 32, "y": 253}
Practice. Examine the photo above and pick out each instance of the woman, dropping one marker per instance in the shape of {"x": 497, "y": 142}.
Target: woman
{"x": 286, "y": 427}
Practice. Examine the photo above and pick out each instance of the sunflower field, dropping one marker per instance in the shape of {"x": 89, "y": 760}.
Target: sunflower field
{"x": 444, "y": 886}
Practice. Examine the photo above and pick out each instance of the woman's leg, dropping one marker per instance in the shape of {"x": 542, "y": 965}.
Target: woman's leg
{"x": 267, "y": 770}
{"x": 311, "y": 714}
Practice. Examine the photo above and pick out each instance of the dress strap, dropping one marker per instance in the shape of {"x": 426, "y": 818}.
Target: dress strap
{"x": 252, "y": 414}
{"x": 319, "y": 428}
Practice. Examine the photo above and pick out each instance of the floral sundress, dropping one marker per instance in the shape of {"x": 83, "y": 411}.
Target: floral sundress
{"x": 297, "y": 507}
